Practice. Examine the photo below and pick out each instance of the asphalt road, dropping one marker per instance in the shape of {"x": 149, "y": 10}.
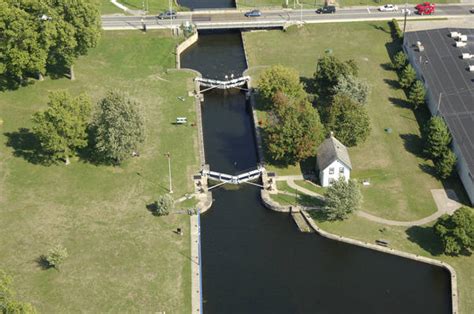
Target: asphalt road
{"x": 210, "y": 19}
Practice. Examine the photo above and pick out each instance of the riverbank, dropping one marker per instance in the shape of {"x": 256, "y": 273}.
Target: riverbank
{"x": 394, "y": 165}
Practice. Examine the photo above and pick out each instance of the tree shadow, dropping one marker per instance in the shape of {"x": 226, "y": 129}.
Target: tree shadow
{"x": 43, "y": 263}
{"x": 429, "y": 169}
{"x": 413, "y": 143}
{"x": 12, "y": 83}
{"x": 152, "y": 208}
{"x": 394, "y": 84}
{"x": 387, "y": 66}
{"x": 426, "y": 239}
{"x": 26, "y": 145}
{"x": 58, "y": 71}
{"x": 380, "y": 28}
{"x": 402, "y": 103}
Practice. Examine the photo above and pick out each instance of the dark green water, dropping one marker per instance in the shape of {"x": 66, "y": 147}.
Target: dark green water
{"x": 255, "y": 260}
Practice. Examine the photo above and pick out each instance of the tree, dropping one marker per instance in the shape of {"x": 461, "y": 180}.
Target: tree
{"x": 21, "y": 50}
{"x": 456, "y": 231}
{"x": 445, "y": 163}
{"x": 399, "y": 61}
{"x": 348, "y": 120}
{"x": 342, "y": 198}
{"x": 56, "y": 256}
{"x": 81, "y": 27}
{"x": 417, "y": 94}
{"x": 294, "y": 131}
{"x": 118, "y": 126}
{"x": 61, "y": 128}
{"x": 279, "y": 79}
{"x": 329, "y": 69}
{"x": 353, "y": 88}
{"x": 8, "y": 302}
{"x": 436, "y": 137}
{"x": 164, "y": 205}
{"x": 407, "y": 77}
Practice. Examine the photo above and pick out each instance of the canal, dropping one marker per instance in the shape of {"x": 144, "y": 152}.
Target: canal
{"x": 256, "y": 260}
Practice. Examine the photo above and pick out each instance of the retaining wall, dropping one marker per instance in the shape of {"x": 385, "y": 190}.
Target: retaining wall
{"x": 422, "y": 259}
{"x": 183, "y": 46}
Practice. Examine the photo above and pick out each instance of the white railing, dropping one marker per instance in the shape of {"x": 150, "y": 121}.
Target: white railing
{"x": 223, "y": 84}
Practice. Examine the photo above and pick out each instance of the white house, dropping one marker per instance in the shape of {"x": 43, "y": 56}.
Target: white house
{"x": 333, "y": 161}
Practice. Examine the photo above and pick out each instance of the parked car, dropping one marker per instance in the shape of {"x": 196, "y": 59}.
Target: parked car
{"x": 472, "y": 10}
{"x": 326, "y": 9}
{"x": 253, "y": 13}
{"x": 425, "y": 8}
{"x": 167, "y": 15}
{"x": 388, "y": 8}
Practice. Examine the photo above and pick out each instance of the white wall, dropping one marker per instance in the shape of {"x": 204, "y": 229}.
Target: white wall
{"x": 324, "y": 176}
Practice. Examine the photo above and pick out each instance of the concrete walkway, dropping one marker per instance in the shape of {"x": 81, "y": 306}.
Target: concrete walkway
{"x": 446, "y": 202}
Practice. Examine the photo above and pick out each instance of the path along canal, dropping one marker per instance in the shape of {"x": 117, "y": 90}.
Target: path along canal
{"x": 255, "y": 260}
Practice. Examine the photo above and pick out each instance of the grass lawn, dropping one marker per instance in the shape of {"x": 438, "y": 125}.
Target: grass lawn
{"x": 154, "y": 6}
{"x": 311, "y": 186}
{"x": 400, "y": 178}
{"x": 295, "y": 197}
{"x": 121, "y": 257}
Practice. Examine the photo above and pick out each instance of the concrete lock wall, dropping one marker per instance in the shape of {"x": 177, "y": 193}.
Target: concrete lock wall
{"x": 183, "y": 46}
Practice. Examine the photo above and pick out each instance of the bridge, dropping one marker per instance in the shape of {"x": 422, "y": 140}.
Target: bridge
{"x": 232, "y": 83}
{"x": 234, "y": 18}
{"x": 234, "y": 179}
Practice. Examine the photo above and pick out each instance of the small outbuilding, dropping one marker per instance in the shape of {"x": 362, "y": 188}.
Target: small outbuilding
{"x": 333, "y": 161}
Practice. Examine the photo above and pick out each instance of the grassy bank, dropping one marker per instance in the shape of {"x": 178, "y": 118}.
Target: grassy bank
{"x": 153, "y": 6}
{"x": 121, "y": 258}
{"x": 401, "y": 180}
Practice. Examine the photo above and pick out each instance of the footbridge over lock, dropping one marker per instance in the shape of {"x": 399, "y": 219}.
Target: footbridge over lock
{"x": 222, "y": 84}
{"x": 224, "y": 178}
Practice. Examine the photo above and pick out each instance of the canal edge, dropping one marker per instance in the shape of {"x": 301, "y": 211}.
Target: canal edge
{"x": 415, "y": 257}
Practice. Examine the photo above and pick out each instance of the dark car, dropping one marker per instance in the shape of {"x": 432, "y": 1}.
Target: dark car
{"x": 167, "y": 15}
{"x": 253, "y": 13}
{"x": 471, "y": 10}
{"x": 326, "y": 9}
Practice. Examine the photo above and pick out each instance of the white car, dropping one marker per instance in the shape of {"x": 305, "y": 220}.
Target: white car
{"x": 388, "y": 8}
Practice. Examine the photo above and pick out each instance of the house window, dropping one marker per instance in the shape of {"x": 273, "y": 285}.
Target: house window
{"x": 331, "y": 170}
{"x": 331, "y": 180}
{"x": 341, "y": 170}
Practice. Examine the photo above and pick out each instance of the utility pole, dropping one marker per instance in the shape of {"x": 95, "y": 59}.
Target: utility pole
{"x": 301, "y": 13}
{"x": 170, "y": 5}
{"x": 439, "y": 103}
{"x": 405, "y": 19}
{"x": 168, "y": 155}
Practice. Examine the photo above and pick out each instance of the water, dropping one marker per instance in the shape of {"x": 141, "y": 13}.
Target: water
{"x": 255, "y": 260}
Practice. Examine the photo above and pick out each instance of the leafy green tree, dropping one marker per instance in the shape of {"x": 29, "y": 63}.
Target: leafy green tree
{"x": 400, "y": 61}
{"x": 353, "y": 88}
{"x": 294, "y": 130}
{"x": 279, "y": 79}
{"x": 56, "y": 256}
{"x": 407, "y": 77}
{"x": 445, "y": 164}
{"x": 436, "y": 137}
{"x": 348, "y": 120}
{"x": 118, "y": 126}
{"x": 164, "y": 205}
{"x": 342, "y": 198}
{"x": 417, "y": 94}
{"x": 21, "y": 51}
{"x": 8, "y": 302}
{"x": 329, "y": 69}
{"x": 456, "y": 231}
{"x": 80, "y": 28}
{"x": 61, "y": 128}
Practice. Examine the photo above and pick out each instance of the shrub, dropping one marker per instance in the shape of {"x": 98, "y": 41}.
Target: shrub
{"x": 396, "y": 31}
{"x": 352, "y": 87}
{"x": 436, "y": 137}
{"x": 417, "y": 94}
{"x": 399, "y": 61}
{"x": 56, "y": 256}
{"x": 445, "y": 164}
{"x": 407, "y": 77}
{"x": 164, "y": 205}
{"x": 279, "y": 79}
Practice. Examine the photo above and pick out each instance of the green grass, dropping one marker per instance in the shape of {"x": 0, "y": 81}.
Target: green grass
{"x": 392, "y": 162}
{"x": 295, "y": 197}
{"x": 121, "y": 257}
{"x": 154, "y": 6}
{"x": 311, "y": 186}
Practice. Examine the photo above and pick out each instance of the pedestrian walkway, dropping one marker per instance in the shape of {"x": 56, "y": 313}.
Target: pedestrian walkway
{"x": 446, "y": 202}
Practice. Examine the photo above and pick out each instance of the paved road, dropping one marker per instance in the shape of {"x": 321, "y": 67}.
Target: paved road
{"x": 212, "y": 19}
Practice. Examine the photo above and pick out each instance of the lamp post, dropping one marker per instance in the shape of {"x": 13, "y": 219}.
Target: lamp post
{"x": 170, "y": 5}
{"x": 168, "y": 155}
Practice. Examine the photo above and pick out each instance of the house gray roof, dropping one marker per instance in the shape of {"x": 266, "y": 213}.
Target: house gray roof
{"x": 330, "y": 150}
